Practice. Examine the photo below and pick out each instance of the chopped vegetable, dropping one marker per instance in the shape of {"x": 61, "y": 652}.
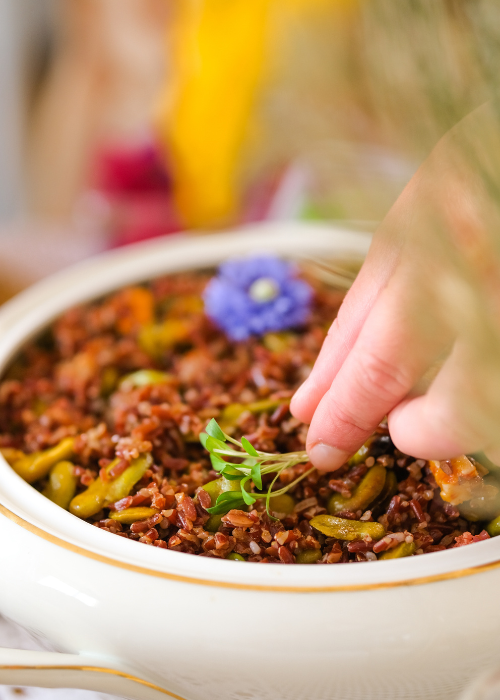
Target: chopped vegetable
{"x": 155, "y": 338}
{"x": 34, "y": 466}
{"x": 102, "y": 492}
{"x": 145, "y": 377}
{"x": 493, "y": 527}
{"x": 308, "y": 556}
{"x": 459, "y": 478}
{"x": 138, "y": 309}
{"x": 132, "y": 515}
{"x": 233, "y": 411}
{"x": 254, "y": 466}
{"x": 344, "y": 529}
{"x": 61, "y": 487}
{"x": 363, "y": 452}
{"x": 405, "y": 549}
{"x": 370, "y": 486}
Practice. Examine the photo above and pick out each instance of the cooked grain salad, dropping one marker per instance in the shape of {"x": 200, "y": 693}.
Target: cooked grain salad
{"x": 103, "y": 414}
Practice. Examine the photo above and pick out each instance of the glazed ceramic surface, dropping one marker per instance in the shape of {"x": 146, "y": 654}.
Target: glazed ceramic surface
{"x": 147, "y": 623}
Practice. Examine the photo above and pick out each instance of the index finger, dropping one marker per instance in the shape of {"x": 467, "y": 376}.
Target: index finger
{"x": 394, "y": 349}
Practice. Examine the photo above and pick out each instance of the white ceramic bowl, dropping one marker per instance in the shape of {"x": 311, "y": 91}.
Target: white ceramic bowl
{"x": 149, "y": 623}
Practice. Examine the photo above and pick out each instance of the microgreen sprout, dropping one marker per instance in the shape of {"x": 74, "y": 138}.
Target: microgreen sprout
{"x": 253, "y": 466}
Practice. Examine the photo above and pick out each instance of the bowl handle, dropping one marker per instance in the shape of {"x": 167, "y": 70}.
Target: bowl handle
{"x": 53, "y": 670}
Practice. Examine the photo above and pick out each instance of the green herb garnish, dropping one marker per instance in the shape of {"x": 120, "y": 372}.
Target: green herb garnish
{"x": 254, "y": 465}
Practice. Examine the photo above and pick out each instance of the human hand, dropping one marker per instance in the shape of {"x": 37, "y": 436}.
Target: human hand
{"x": 428, "y": 295}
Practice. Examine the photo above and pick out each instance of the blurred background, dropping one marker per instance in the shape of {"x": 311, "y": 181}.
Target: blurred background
{"x": 122, "y": 120}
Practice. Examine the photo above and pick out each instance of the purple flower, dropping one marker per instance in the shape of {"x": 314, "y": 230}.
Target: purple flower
{"x": 253, "y": 296}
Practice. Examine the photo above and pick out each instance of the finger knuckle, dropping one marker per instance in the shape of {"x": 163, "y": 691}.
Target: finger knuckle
{"x": 451, "y": 424}
{"x": 340, "y": 330}
{"x": 381, "y": 380}
{"x": 349, "y": 426}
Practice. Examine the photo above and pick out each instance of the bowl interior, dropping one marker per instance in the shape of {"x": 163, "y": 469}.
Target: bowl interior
{"x": 24, "y": 316}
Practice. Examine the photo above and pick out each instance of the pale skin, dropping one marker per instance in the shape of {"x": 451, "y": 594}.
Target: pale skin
{"x": 417, "y": 338}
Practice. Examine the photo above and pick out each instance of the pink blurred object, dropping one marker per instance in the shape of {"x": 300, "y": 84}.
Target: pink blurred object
{"x": 278, "y": 196}
{"x": 137, "y": 187}
{"x": 131, "y": 170}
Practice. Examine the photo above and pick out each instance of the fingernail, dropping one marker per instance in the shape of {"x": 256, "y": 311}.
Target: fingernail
{"x": 327, "y": 458}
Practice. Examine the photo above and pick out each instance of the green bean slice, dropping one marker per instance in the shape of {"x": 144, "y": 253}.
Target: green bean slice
{"x": 132, "y": 515}
{"x": 123, "y": 484}
{"x": 61, "y": 487}
{"x": 370, "y": 486}
{"x": 90, "y": 501}
{"x": 349, "y": 530}
{"x": 101, "y": 493}
{"x": 234, "y": 556}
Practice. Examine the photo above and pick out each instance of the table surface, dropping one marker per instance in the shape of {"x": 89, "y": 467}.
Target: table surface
{"x": 14, "y": 637}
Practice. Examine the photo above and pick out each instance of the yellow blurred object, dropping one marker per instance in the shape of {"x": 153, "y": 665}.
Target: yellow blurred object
{"x": 155, "y": 338}
{"x": 222, "y": 52}
{"x": 137, "y": 307}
